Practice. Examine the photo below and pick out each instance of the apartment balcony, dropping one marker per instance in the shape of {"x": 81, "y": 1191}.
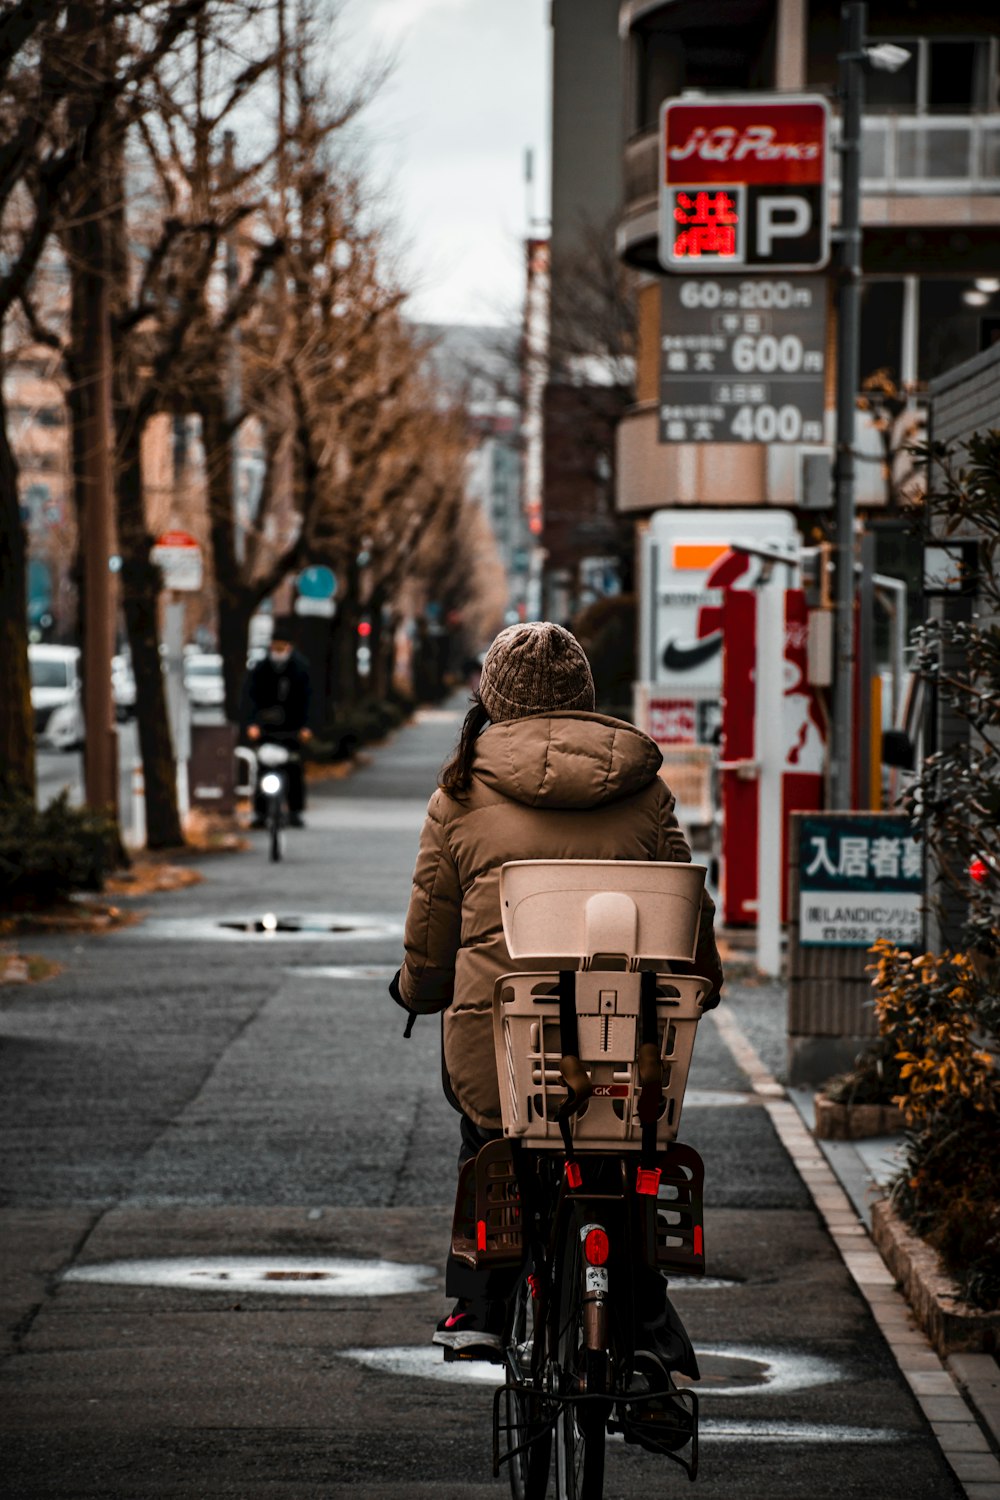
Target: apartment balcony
{"x": 917, "y": 170}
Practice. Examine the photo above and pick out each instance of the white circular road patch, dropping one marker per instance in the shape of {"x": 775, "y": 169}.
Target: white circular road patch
{"x": 726, "y": 1369}
{"x": 278, "y": 1275}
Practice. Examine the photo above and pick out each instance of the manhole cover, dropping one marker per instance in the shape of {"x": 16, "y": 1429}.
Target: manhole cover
{"x": 270, "y": 923}
{"x": 297, "y": 1276}
{"x": 268, "y": 926}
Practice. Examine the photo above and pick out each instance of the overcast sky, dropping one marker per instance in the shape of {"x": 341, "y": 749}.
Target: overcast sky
{"x": 448, "y": 132}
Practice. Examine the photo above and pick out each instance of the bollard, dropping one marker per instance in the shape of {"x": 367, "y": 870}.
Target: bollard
{"x": 138, "y": 824}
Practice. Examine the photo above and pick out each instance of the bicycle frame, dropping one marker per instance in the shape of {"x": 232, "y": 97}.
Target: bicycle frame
{"x": 553, "y": 1212}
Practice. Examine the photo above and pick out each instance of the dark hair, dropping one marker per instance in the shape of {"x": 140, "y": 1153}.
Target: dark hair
{"x": 456, "y": 776}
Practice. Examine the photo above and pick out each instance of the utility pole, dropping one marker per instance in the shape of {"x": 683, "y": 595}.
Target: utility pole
{"x": 100, "y": 741}
{"x": 852, "y": 58}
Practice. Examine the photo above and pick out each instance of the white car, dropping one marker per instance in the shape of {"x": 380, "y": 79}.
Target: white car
{"x": 56, "y": 696}
{"x": 203, "y": 679}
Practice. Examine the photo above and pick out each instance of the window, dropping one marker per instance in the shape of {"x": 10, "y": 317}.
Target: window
{"x": 685, "y": 53}
{"x": 49, "y": 674}
{"x": 952, "y": 315}
{"x": 943, "y": 76}
{"x": 881, "y": 328}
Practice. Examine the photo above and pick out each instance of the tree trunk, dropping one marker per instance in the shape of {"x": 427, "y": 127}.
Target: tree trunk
{"x": 345, "y": 656}
{"x": 140, "y": 594}
{"x": 234, "y": 601}
{"x": 377, "y": 687}
{"x": 17, "y": 737}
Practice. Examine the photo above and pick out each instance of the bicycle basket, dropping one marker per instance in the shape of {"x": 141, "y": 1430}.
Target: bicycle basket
{"x": 526, "y": 1037}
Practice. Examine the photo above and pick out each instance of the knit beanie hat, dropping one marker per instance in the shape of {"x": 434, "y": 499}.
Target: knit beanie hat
{"x": 535, "y": 669}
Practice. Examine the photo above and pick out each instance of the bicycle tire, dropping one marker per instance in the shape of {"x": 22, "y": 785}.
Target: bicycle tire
{"x": 274, "y": 830}
{"x": 529, "y": 1471}
{"x": 580, "y": 1427}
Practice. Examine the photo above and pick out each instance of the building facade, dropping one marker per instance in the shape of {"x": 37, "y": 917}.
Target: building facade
{"x": 930, "y": 215}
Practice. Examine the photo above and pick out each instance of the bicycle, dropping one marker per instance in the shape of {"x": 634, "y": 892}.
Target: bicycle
{"x": 588, "y": 1189}
{"x": 275, "y": 759}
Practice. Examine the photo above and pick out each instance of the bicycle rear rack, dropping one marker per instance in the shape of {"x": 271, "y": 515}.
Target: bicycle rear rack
{"x": 487, "y": 1229}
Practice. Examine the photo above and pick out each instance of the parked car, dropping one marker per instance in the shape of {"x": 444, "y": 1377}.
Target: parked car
{"x": 56, "y": 696}
{"x": 203, "y": 679}
{"x": 123, "y": 687}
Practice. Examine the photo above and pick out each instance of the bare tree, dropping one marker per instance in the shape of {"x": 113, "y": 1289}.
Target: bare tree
{"x": 53, "y": 108}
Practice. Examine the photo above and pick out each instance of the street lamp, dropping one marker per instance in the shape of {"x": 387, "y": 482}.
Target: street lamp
{"x": 854, "y": 59}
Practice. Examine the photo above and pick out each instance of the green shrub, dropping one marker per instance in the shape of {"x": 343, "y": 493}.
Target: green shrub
{"x": 356, "y": 725}
{"x": 934, "y": 1017}
{"x": 45, "y": 854}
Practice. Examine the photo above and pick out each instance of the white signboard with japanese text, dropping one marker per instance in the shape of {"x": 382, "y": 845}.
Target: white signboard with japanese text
{"x": 178, "y": 557}
{"x": 860, "y": 878}
{"x": 743, "y": 361}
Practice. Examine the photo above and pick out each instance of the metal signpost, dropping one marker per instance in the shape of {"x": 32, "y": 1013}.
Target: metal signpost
{"x": 742, "y": 361}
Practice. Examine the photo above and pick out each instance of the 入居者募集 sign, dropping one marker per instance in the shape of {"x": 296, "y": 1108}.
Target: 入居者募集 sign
{"x": 860, "y": 878}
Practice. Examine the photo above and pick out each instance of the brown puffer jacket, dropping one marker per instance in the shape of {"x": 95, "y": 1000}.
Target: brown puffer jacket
{"x": 563, "y": 786}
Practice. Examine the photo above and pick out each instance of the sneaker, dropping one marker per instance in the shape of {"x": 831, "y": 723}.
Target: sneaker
{"x": 472, "y": 1331}
{"x": 295, "y": 820}
{"x": 258, "y": 823}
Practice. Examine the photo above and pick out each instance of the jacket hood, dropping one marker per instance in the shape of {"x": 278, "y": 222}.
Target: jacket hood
{"x": 565, "y": 759}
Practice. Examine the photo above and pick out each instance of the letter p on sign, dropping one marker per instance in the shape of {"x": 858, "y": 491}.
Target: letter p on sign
{"x": 780, "y": 217}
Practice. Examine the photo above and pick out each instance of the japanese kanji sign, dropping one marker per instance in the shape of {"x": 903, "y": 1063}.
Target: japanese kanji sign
{"x": 742, "y": 361}
{"x": 673, "y": 721}
{"x": 743, "y": 183}
{"x": 860, "y": 878}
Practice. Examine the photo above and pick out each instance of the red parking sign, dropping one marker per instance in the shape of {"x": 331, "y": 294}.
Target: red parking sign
{"x": 743, "y": 184}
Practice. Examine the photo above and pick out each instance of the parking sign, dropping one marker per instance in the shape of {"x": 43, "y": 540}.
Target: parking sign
{"x": 743, "y": 184}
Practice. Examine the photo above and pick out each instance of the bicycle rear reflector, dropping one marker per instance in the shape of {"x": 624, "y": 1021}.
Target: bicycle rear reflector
{"x": 647, "y": 1181}
{"x": 573, "y": 1174}
{"x": 595, "y": 1246}
{"x": 481, "y": 1234}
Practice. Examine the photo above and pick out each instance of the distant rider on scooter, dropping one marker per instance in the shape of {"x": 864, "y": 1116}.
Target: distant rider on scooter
{"x": 276, "y": 698}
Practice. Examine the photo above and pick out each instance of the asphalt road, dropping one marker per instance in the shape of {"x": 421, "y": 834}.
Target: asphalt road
{"x": 227, "y": 1194}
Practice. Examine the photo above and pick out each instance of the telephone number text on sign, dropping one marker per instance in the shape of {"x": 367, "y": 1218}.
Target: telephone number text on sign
{"x": 743, "y": 363}
{"x": 827, "y": 919}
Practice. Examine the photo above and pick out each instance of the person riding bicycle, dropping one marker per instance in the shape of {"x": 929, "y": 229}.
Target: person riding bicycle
{"x": 537, "y": 774}
{"x": 276, "y": 700}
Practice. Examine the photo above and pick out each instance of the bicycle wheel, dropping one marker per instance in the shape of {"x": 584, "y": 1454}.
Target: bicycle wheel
{"x": 274, "y": 821}
{"x": 529, "y": 1470}
{"x": 580, "y": 1428}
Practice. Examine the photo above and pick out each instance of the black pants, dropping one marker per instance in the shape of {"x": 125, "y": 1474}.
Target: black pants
{"x": 295, "y": 787}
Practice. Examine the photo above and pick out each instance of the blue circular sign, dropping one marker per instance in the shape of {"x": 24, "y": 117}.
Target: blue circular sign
{"x": 317, "y": 582}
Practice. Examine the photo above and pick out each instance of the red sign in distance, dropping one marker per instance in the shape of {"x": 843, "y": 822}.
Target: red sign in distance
{"x": 743, "y": 183}
{"x": 176, "y": 539}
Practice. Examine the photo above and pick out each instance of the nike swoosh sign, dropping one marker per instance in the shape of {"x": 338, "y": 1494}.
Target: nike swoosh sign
{"x": 677, "y": 658}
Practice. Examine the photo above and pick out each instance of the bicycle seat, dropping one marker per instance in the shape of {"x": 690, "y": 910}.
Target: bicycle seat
{"x": 595, "y": 913}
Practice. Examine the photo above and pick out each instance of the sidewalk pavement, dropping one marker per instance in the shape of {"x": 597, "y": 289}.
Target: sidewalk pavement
{"x": 959, "y": 1396}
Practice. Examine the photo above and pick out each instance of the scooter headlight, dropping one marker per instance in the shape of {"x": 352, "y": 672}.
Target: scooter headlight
{"x": 270, "y": 784}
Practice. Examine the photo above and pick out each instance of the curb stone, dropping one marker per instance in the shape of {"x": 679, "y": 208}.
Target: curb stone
{"x": 952, "y": 1326}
